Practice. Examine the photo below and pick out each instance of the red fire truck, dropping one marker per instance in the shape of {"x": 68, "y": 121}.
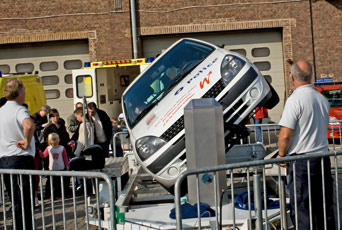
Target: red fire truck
{"x": 333, "y": 92}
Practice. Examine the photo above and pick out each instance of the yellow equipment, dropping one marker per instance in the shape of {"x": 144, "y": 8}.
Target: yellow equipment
{"x": 35, "y": 95}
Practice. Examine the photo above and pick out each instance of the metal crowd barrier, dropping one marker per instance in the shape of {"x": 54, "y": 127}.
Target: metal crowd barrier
{"x": 270, "y": 133}
{"x": 258, "y": 219}
{"x": 70, "y": 211}
{"x": 335, "y": 134}
{"x": 124, "y": 141}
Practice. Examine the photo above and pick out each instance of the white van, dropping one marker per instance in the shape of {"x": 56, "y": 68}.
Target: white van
{"x": 154, "y": 103}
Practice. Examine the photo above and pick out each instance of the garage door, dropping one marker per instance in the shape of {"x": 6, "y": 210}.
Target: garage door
{"x": 54, "y": 62}
{"x": 263, "y": 48}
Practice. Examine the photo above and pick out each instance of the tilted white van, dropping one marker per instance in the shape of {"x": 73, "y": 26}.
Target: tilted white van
{"x": 154, "y": 103}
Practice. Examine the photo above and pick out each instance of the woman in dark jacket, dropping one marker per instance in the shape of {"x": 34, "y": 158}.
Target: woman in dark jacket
{"x": 57, "y": 125}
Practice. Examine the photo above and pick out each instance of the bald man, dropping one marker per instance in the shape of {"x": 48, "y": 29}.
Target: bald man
{"x": 17, "y": 150}
{"x": 304, "y": 126}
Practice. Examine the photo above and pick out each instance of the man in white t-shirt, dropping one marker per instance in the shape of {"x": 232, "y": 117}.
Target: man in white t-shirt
{"x": 304, "y": 126}
{"x": 17, "y": 147}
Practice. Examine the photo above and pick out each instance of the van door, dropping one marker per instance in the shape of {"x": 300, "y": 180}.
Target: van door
{"x": 84, "y": 84}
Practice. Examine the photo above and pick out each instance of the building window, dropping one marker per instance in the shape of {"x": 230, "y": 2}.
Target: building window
{"x": 73, "y": 64}
{"x": 24, "y": 68}
{"x": 52, "y": 94}
{"x": 69, "y": 93}
{"x": 48, "y": 66}
{"x": 117, "y": 5}
{"x": 68, "y": 79}
{"x": 84, "y": 86}
{"x": 263, "y": 65}
{"x": 261, "y": 52}
{"x": 4, "y": 69}
{"x": 50, "y": 80}
{"x": 240, "y": 51}
{"x": 268, "y": 78}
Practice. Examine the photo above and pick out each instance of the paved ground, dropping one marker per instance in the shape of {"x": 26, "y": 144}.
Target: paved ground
{"x": 74, "y": 209}
{"x": 58, "y": 215}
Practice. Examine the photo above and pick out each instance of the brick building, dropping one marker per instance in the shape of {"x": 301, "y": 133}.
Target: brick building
{"x": 54, "y": 37}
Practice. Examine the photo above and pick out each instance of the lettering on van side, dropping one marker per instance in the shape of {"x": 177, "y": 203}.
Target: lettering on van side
{"x": 197, "y": 75}
{"x": 177, "y": 106}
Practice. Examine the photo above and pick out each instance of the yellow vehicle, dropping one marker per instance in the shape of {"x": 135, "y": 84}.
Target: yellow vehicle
{"x": 35, "y": 96}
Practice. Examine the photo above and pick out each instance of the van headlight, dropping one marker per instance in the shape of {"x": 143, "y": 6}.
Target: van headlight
{"x": 147, "y": 146}
{"x": 230, "y": 67}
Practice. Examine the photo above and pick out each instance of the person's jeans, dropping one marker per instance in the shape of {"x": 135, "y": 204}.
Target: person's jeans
{"x": 302, "y": 192}
{"x": 80, "y": 185}
{"x": 19, "y": 162}
{"x": 258, "y": 132}
{"x": 56, "y": 187}
{"x": 105, "y": 148}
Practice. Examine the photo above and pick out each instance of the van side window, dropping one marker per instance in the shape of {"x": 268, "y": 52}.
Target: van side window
{"x": 84, "y": 86}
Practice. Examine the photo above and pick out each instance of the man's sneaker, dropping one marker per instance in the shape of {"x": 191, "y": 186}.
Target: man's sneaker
{"x": 36, "y": 202}
{"x": 79, "y": 191}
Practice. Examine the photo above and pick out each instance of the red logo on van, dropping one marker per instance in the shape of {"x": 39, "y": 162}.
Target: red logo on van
{"x": 205, "y": 80}
{"x": 150, "y": 119}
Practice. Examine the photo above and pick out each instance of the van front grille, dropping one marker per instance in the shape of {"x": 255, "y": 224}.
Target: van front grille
{"x": 215, "y": 90}
{"x": 232, "y": 110}
{"x": 173, "y": 130}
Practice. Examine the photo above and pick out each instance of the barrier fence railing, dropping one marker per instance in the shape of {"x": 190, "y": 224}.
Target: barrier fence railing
{"x": 122, "y": 147}
{"x": 335, "y": 134}
{"x": 270, "y": 134}
{"x": 121, "y": 143}
{"x": 260, "y": 169}
{"x": 71, "y": 209}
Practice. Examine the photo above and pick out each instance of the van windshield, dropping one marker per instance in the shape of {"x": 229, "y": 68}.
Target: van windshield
{"x": 162, "y": 76}
{"x": 334, "y": 97}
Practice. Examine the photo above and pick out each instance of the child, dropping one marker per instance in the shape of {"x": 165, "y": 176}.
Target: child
{"x": 58, "y": 161}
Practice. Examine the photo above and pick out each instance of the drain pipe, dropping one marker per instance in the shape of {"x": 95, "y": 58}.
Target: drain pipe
{"x": 134, "y": 30}
{"x": 313, "y": 41}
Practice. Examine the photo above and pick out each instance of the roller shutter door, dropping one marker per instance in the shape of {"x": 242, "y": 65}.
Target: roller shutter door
{"x": 54, "y": 62}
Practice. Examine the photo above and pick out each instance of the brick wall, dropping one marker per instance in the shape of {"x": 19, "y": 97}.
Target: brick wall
{"x": 327, "y": 21}
{"x": 40, "y": 20}
{"x": 109, "y": 30}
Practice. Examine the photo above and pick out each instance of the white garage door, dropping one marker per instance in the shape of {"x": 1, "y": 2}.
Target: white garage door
{"x": 54, "y": 62}
{"x": 263, "y": 48}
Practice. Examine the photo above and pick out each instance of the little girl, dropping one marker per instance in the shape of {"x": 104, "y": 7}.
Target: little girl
{"x": 58, "y": 161}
